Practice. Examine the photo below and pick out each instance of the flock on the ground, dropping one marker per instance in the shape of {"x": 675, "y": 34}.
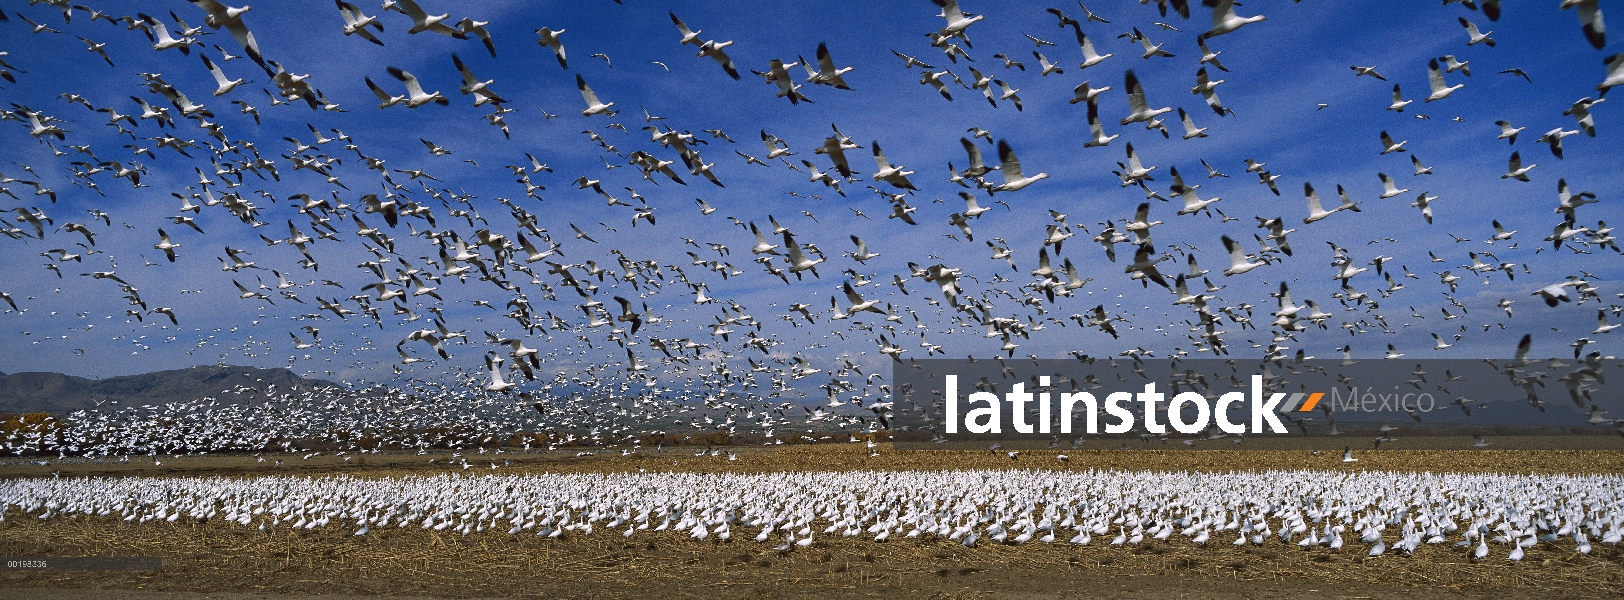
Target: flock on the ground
{"x": 574, "y": 331}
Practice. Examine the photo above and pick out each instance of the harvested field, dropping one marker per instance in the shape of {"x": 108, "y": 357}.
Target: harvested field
{"x": 215, "y": 556}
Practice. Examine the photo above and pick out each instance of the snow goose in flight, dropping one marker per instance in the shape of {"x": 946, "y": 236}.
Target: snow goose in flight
{"x": 858, "y": 304}
{"x": 1436, "y": 78}
{"x": 162, "y": 40}
{"x": 713, "y": 49}
{"x": 1557, "y": 293}
{"x": 1190, "y": 130}
{"x": 220, "y": 15}
{"x": 1192, "y": 202}
{"x": 1224, "y": 19}
{"x": 1010, "y": 167}
{"x": 386, "y": 100}
{"x": 1044, "y": 269}
{"x": 1096, "y": 129}
{"x": 1206, "y": 88}
{"x": 894, "y": 175}
{"x": 224, "y": 85}
{"x": 1590, "y": 20}
{"x": 477, "y": 28}
{"x": 593, "y": 105}
{"x": 978, "y": 81}
{"x": 1420, "y": 169}
{"x": 1389, "y": 187}
{"x": 1388, "y": 146}
{"x": 1561, "y": 233}
{"x": 1145, "y": 267}
{"x": 38, "y": 28}
{"x": 99, "y": 49}
{"x": 1438, "y": 342}
{"x": 1580, "y": 111}
{"x": 1008, "y": 93}
{"x": 421, "y": 20}
{"x": 165, "y": 244}
{"x": 836, "y": 147}
{"x": 1239, "y": 262}
{"x": 1369, "y": 71}
{"x": 1615, "y": 74}
{"x": 415, "y": 96}
{"x": 826, "y": 73}
{"x": 1601, "y": 323}
{"x": 1208, "y": 57}
{"x": 1451, "y": 65}
{"x": 1569, "y": 200}
{"x": 471, "y": 85}
{"x": 1516, "y": 170}
{"x": 548, "y": 39}
{"x": 1316, "y": 211}
{"x": 1554, "y": 138}
{"x": 1084, "y": 93}
{"x": 957, "y": 22}
{"x": 798, "y": 261}
{"x": 1473, "y": 36}
{"x": 1150, "y": 49}
{"x": 1141, "y": 111}
{"x": 1091, "y": 56}
{"x": 1046, "y": 66}
{"x": 977, "y": 168}
{"x": 689, "y": 36}
{"x": 1135, "y": 170}
{"x": 1140, "y": 225}
{"x": 761, "y": 247}
{"x": 778, "y": 73}
{"x": 1509, "y": 132}
{"x": 1398, "y": 100}
{"x": 931, "y": 78}
{"x": 909, "y": 62}
{"x": 493, "y": 366}
{"x": 356, "y": 22}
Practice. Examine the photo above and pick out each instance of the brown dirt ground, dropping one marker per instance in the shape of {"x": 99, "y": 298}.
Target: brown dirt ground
{"x": 213, "y": 560}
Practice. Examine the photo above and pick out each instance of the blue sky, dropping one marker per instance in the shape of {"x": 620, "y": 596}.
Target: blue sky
{"x": 1280, "y": 70}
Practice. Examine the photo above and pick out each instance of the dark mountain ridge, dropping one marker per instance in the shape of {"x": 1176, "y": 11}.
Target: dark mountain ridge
{"x": 59, "y": 393}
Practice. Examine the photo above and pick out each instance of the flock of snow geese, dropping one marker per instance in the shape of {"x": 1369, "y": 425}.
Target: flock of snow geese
{"x": 1483, "y": 516}
{"x": 613, "y": 342}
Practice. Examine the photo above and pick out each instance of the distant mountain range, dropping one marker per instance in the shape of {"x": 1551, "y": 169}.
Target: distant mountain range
{"x": 59, "y": 393}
